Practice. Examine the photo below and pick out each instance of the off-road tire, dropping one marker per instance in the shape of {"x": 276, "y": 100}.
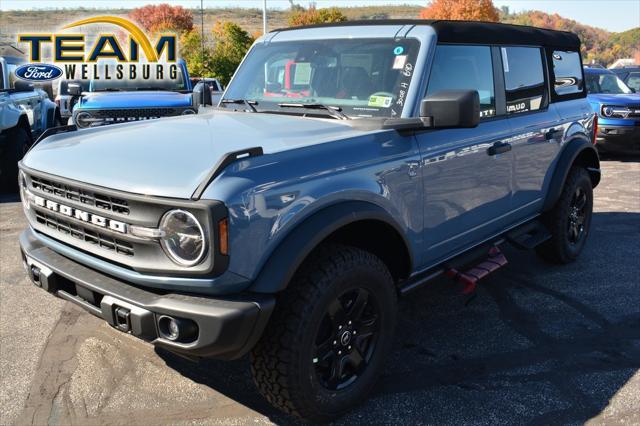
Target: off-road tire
{"x": 559, "y": 249}
{"x": 281, "y": 362}
{"x": 15, "y": 143}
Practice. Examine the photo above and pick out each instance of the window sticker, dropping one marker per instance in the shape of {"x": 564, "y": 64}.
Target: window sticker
{"x": 398, "y": 50}
{"x": 302, "y": 74}
{"x": 505, "y": 59}
{"x": 380, "y": 101}
{"x": 399, "y": 61}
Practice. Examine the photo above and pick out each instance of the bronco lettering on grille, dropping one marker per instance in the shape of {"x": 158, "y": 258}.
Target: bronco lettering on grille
{"x": 94, "y": 219}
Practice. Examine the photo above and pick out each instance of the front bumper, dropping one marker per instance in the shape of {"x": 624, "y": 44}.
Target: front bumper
{"x": 226, "y": 328}
{"x": 619, "y": 139}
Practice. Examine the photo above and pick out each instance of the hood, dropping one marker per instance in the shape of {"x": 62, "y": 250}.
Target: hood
{"x": 603, "y": 98}
{"x": 170, "y": 157}
{"x": 141, "y": 99}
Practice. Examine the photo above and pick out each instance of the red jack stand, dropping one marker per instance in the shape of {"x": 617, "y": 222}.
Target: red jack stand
{"x": 469, "y": 279}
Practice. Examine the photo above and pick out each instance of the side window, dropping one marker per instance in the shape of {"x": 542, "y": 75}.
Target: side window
{"x": 633, "y": 81}
{"x": 523, "y": 79}
{"x": 567, "y": 70}
{"x": 465, "y": 68}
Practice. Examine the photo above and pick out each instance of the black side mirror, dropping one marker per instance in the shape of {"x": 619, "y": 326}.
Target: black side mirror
{"x": 201, "y": 95}
{"x": 74, "y": 89}
{"x": 452, "y": 108}
{"x": 23, "y": 86}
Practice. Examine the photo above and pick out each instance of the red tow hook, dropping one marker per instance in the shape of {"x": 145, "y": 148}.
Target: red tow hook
{"x": 469, "y": 279}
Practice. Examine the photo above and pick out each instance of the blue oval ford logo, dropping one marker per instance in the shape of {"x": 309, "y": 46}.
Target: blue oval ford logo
{"x": 38, "y": 72}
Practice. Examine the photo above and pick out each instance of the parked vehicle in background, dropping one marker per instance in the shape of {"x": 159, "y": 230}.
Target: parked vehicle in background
{"x": 630, "y": 76}
{"x": 25, "y": 112}
{"x": 66, "y": 101}
{"x": 618, "y": 109}
{"x": 119, "y": 101}
{"x": 348, "y": 164}
{"x": 213, "y": 84}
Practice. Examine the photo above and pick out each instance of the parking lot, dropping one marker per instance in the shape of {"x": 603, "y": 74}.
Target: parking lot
{"x": 539, "y": 344}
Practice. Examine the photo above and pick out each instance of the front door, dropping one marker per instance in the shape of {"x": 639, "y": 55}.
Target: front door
{"x": 467, "y": 181}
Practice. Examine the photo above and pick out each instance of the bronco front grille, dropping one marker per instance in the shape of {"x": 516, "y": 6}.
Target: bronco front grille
{"x": 132, "y": 114}
{"x": 85, "y": 234}
{"x": 116, "y": 205}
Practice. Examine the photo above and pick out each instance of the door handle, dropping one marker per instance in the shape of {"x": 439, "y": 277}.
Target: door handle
{"x": 552, "y": 133}
{"x": 499, "y": 148}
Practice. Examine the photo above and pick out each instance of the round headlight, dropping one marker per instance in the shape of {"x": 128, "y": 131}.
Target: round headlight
{"x": 183, "y": 240}
{"x": 188, "y": 111}
{"x": 83, "y": 119}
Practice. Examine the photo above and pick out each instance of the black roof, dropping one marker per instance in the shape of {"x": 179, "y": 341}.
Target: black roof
{"x": 475, "y": 32}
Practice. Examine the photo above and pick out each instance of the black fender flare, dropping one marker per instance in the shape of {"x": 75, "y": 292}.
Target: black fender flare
{"x": 286, "y": 258}
{"x": 576, "y": 150}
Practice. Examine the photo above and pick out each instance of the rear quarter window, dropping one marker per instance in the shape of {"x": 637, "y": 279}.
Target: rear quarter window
{"x": 567, "y": 71}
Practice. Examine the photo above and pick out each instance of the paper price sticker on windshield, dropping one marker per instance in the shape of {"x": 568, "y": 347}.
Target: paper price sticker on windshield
{"x": 380, "y": 101}
{"x": 399, "y": 61}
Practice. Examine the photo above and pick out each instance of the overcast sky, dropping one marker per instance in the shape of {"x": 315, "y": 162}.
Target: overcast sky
{"x": 612, "y": 15}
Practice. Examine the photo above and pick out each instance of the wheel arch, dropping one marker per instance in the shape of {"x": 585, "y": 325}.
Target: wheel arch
{"x": 578, "y": 151}
{"x": 350, "y": 223}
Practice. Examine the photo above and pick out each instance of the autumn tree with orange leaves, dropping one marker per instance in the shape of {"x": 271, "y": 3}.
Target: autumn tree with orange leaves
{"x": 461, "y": 10}
{"x": 163, "y": 17}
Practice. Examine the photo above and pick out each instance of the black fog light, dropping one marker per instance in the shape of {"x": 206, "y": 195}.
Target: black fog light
{"x": 35, "y": 274}
{"x": 177, "y": 329}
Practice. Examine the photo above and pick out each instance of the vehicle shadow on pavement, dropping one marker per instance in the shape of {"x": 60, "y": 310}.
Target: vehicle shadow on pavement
{"x": 538, "y": 343}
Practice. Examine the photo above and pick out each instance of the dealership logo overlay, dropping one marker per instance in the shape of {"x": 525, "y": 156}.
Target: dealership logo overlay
{"x": 105, "y": 57}
{"x": 38, "y": 72}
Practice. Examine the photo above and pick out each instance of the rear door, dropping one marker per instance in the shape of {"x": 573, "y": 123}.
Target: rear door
{"x": 467, "y": 191}
{"x": 536, "y": 126}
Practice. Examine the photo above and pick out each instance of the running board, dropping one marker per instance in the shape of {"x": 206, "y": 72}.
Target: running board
{"x": 469, "y": 278}
{"x": 529, "y": 236}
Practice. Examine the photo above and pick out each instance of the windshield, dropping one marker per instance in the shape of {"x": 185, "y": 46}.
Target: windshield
{"x": 363, "y": 77}
{"x": 606, "y": 83}
{"x": 139, "y": 84}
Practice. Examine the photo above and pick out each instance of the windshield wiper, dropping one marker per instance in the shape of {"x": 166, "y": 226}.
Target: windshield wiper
{"x": 334, "y": 111}
{"x": 108, "y": 89}
{"x": 251, "y": 104}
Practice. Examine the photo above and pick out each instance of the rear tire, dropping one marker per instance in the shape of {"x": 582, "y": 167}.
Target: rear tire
{"x": 318, "y": 358}
{"x": 15, "y": 143}
{"x": 569, "y": 220}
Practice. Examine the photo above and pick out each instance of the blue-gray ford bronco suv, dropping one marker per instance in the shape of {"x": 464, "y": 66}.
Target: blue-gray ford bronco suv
{"x": 346, "y": 165}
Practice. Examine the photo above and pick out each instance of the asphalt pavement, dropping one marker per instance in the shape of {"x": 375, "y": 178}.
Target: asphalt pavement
{"x": 538, "y": 344}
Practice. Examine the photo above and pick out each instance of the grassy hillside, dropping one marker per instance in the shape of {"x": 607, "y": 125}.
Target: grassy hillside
{"x": 598, "y": 45}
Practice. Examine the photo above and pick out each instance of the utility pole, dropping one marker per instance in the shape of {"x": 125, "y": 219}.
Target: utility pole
{"x": 264, "y": 16}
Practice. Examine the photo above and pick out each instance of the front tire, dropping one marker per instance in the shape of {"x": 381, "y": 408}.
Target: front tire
{"x": 569, "y": 220}
{"x": 329, "y": 336}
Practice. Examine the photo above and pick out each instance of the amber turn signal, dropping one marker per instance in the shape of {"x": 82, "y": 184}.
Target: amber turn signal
{"x": 223, "y": 236}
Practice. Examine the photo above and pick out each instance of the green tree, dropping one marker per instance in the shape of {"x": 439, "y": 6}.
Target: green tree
{"x": 300, "y": 16}
{"x": 199, "y": 61}
{"x": 231, "y": 43}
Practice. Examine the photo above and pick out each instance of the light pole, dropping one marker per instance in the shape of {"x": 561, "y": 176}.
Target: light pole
{"x": 264, "y": 16}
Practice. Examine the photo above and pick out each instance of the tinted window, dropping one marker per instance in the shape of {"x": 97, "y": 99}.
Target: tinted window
{"x": 465, "y": 68}
{"x": 567, "y": 70}
{"x": 523, "y": 78}
{"x": 606, "y": 82}
{"x": 633, "y": 81}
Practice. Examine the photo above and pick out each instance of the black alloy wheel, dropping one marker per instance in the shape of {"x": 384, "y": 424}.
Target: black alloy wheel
{"x": 346, "y": 339}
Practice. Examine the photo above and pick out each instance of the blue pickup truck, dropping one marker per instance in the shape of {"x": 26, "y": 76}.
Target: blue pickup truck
{"x": 618, "y": 109}
{"x": 119, "y": 101}
{"x": 340, "y": 171}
